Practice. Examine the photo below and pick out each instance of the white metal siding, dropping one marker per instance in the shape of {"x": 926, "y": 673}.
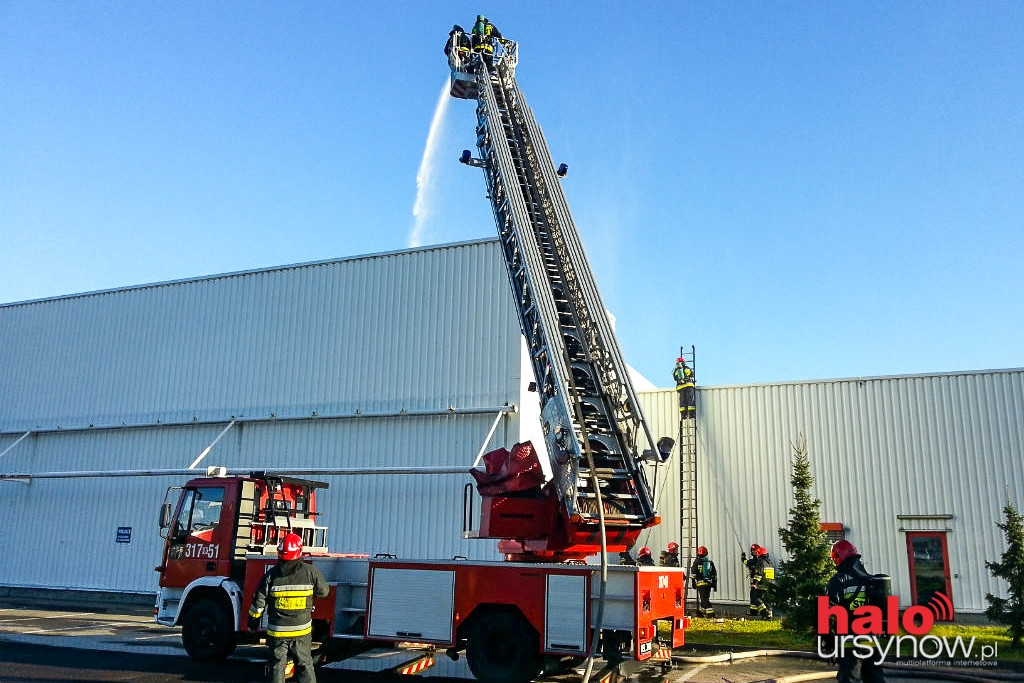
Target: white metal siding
{"x": 879, "y": 447}
{"x": 412, "y": 331}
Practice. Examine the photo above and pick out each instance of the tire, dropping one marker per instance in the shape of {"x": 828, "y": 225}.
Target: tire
{"x": 503, "y": 648}
{"x": 207, "y": 632}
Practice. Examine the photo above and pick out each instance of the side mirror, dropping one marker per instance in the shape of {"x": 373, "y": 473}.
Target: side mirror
{"x": 165, "y": 515}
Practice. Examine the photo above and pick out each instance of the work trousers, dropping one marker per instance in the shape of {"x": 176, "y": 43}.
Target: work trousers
{"x": 757, "y": 606}
{"x": 704, "y": 607}
{"x": 296, "y": 648}
{"x": 687, "y": 401}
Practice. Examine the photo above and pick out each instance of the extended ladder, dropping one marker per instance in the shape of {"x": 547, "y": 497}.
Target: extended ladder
{"x": 688, "y": 527}
{"x": 585, "y": 392}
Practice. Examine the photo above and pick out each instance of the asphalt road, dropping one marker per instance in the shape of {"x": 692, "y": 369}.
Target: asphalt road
{"x": 39, "y": 646}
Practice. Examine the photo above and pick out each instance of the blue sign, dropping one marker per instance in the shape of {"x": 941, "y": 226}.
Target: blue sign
{"x": 124, "y": 534}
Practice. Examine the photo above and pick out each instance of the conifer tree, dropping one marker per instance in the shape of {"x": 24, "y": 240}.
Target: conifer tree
{"x": 1010, "y": 611}
{"x": 803, "y": 577}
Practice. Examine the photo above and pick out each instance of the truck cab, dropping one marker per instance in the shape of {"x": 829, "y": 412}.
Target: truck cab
{"x": 213, "y": 527}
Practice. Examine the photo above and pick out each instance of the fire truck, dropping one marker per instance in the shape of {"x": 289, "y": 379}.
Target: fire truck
{"x": 543, "y": 607}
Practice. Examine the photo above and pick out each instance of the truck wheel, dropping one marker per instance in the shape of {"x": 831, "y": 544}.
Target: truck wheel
{"x": 503, "y": 649}
{"x": 206, "y": 632}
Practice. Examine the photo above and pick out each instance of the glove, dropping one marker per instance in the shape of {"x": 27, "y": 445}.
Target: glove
{"x": 743, "y": 557}
{"x": 254, "y": 623}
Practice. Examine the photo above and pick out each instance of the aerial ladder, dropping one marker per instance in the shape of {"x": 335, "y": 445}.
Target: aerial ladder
{"x": 594, "y": 431}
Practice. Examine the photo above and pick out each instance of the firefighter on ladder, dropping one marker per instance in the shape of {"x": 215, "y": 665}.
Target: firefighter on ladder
{"x": 287, "y": 591}
{"x": 686, "y": 388}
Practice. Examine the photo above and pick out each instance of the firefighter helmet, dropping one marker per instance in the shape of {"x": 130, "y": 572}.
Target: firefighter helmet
{"x": 680, "y": 360}
{"x": 290, "y": 547}
{"x": 673, "y": 547}
{"x": 753, "y": 549}
{"x": 842, "y": 550}
{"x": 645, "y": 551}
{"x": 702, "y": 551}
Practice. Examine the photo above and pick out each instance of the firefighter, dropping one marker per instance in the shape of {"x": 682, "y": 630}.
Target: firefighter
{"x": 287, "y": 591}
{"x": 643, "y": 558}
{"x": 672, "y": 555}
{"x": 686, "y": 388}
{"x": 484, "y": 33}
{"x": 852, "y": 587}
{"x": 704, "y": 578}
{"x": 457, "y": 48}
{"x": 761, "y": 573}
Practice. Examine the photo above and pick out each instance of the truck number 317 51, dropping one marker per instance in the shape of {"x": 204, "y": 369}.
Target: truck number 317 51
{"x": 201, "y": 550}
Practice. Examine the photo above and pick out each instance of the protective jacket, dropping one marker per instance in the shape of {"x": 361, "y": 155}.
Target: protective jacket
{"x": 852, "y": 586}
{"x": 287, "y": 591}
{"x": 484, "y": 33}
{"x": 457, "y": 41}
{"x": 761, "y": 572}
{"x": 703, "y": 573}
{"x": 683, "y": 375}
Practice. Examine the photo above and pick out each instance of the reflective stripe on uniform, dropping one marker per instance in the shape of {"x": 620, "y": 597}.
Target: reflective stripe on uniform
{"x": 289, "y": 631}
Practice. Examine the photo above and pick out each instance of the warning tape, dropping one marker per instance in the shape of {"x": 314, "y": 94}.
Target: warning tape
{"x": 663, "y": 654}
{"x": 416, "y": 667}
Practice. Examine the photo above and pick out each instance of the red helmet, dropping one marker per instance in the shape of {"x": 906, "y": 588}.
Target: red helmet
{"x": 842, "y": 550}
{"x": 754, "y": 548}
{"x": 644, "y": 551}
{"x": 680, "y": 360}
{"x": 702, "y": 551}
{"x": 673, "y": 547}
{"x": 290, "y": 547}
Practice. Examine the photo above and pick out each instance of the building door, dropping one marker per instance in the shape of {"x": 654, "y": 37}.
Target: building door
{"x": 929, "y": 572}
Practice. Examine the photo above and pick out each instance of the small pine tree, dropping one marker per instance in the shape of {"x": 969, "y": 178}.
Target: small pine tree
{"x": 1010, "y": 611}
{"x": 803, "y": 577}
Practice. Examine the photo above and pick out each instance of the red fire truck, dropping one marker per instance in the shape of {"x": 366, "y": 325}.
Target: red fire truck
{"x": 512, "y": 619}
{"x": 540, "y": 608}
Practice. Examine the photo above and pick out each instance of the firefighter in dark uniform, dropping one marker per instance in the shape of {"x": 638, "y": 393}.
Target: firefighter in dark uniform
{"x": 704, "y": 578}
{"x": 672, "y": 555}
{"x": 644, "y": 558}
{"x": 852, "y": 587}
{"x": 761, "y": 573}
{"x": 686, "y": 388}
{"x": 458, "y": 48}
{"x": 484, "y": 33}
{"x": 287, "y": 592}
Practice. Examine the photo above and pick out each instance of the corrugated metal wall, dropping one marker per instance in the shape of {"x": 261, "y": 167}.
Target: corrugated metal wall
{"x": 410, "y": 331}
{"x": 887, "y": 454}
{"x": 146, "y": 377}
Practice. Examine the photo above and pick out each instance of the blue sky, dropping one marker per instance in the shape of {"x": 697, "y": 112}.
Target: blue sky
{"x": 800, "y": 190}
